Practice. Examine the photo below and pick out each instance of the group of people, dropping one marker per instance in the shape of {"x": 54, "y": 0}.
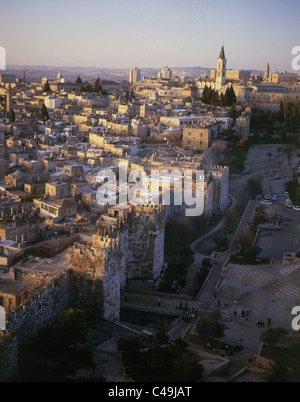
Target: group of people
{"x": 261, "y": 324}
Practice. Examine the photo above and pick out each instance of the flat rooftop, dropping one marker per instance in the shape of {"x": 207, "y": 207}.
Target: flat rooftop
{"x": 10, "y": 286}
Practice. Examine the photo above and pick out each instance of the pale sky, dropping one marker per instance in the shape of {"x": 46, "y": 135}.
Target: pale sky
{"x": 150, "y": 33}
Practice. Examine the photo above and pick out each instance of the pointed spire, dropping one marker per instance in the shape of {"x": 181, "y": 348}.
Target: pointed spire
{"x": 222, "y": 53}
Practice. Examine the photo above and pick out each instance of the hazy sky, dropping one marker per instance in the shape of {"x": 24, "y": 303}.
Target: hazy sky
{"x": 150, "y": 33}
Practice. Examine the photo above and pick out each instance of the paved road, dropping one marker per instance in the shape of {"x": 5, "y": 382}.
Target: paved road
{"x": 214, "y": 230}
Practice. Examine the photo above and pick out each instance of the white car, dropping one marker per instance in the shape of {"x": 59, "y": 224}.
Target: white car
{"x": 266, "y": 203}
{"x": 267, "y": 197}
{"x": 296, "y": 208}
{"x": 289, "y": 205}
{"x": 286, "y": 194}
{"x": 274, "y": 198}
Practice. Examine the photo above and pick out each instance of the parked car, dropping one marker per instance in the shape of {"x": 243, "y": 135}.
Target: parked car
{"x": 267, "y": 197}
{"x": 296, "y": 208}
{"x": 266, "y": 203}
{"x": 269, "y": 226}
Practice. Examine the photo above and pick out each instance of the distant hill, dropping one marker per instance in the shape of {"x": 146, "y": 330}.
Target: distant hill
{"x": 89, "y": 73}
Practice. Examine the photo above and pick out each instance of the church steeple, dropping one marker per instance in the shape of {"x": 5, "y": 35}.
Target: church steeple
{"x": 222, "y": 53}
{"x": 221, "y": 69}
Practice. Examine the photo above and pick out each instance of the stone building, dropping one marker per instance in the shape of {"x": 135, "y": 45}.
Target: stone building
{"x": 19, "y": 229}
{"x": 55, "y": 208}
{"x": 127, "y": 248}
{"x": 12, "y": 293}
{"x": 57, "y": 190}
{"x": 196, "y": 137}
{"x": 220, "y": 178}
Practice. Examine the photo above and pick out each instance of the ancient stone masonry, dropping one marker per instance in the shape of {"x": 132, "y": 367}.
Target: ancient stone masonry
{"x": 130, "y": 247}
{"x": 220, "y": 178}
{"x": 8, "y": 355}
{"x": 146, "y": 227}
{"x": 42, "y": 309}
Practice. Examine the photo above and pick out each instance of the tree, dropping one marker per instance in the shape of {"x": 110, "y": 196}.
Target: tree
{"x": 12, "y": 116}
{"x": 87, "y": 88}
{"x": 47, "y": 87}
{"x": 71, "y": 328}
{"x": 255, "y": 186}
{"x": 270, "y": 122}
{"x": 291, "y": 116}
{"x": 210, "y": 325}
{"x": 288, "y": 150}
{"x": 279, "y": 373}
{"x": 243, "y": 143}
{"x": 78, "y": 80}
{"x": 233, "y": 112}
{"x": 273, "y": 335}
{"x": 230, "y": 97}
{"x": 98, "y": 86}
{"x": 230, "y": 215}
{"x": 44, "y": 112}
{"x": 280, "y": 113}
{"x": 161, "y": 334}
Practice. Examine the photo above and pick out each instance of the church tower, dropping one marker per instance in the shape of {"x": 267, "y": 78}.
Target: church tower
{"x": 221, "y": 70}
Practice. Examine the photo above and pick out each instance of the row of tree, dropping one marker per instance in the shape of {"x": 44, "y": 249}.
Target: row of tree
{"x": 287, "y": 115}
{"x": 212, "y": 97}
{"x": 97, "y": 87}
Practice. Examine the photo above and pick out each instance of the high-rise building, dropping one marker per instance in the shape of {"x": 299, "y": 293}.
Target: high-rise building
{"x": 165, "y": 73}
{"x": 134, "y": 75}
{"x": 267, "y": 72}
{"x": 221, "y": 69}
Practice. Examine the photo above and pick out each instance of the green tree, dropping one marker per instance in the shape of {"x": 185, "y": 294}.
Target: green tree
{"x": 87, "y": 88}
{"x": 12, "y": 116}
{"x": 273, "y": 335}
{"x": 44, "y": 112}
{"x": 280, "y": 113}
{"x": 255, "y": 186}
{"x": 72, "y": 328}
{"x": 288, "y": 150}
{"x": 162, "y": 331}
{"x": 98, "y": 86}
{"x": 270, "y": 123}
{"x": 78, "y": 80}
{"x": 229, "y": 97}
{"x": 291, "y": 116}
{"x": 243, "y": 143}
{"x": 47, "y": 87}
{"x": 279, "y": 373}
{"x": 210, "y": 325}
{"x": 233, "y": 113}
